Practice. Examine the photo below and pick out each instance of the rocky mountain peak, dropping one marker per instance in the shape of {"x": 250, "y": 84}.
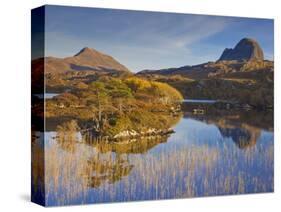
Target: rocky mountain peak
{"x": 87, "y": 51}
{"x": 246, "y": 49}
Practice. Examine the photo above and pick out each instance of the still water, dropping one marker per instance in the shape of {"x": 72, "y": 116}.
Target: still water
{"x": 46, "y": 95}
{"x": 217, "y": 153}
{"x": 206, "y": 101}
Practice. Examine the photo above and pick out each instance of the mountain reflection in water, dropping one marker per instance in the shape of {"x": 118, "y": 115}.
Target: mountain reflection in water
{"x": 217, "y": 153}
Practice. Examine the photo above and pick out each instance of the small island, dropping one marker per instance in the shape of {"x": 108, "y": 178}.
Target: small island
{"x": 118, "y": 108}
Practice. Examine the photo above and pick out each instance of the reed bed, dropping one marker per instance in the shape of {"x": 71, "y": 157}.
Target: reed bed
{"x": 86, "y": 175}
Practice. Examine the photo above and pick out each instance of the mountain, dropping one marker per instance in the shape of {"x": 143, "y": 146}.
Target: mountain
{"x": 87, "y": 59}
{"x": 246, "y": 49}
{"x": 245, "y": 57}
{"x": 241, "y": 75}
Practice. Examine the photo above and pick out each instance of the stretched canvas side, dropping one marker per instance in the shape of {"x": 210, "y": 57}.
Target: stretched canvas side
{"x": 37, "y": 106}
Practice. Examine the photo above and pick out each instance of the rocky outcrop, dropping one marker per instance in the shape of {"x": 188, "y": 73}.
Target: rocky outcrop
{"x": 246, "y": 49}
{"x": 149, "y": 133}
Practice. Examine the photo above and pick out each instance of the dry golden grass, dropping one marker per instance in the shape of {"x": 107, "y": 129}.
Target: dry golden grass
{"x": 87, "y": 175}
{"x": 242, "y": 81}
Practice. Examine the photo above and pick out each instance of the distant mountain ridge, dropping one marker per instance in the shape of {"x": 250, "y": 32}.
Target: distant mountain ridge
{"x": 87, "y": 59}
{"x": 246, "y": 56}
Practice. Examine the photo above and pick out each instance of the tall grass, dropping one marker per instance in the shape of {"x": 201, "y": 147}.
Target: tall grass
{"x": 88, "y": 175}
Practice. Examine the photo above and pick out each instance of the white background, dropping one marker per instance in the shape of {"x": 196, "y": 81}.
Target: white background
{"x": 15, "y": 103}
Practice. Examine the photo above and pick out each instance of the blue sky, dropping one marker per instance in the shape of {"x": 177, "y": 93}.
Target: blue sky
{"x": 150, "y": 40}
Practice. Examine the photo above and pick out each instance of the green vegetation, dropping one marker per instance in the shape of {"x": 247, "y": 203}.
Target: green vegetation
{"x": 111, "y": 105}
